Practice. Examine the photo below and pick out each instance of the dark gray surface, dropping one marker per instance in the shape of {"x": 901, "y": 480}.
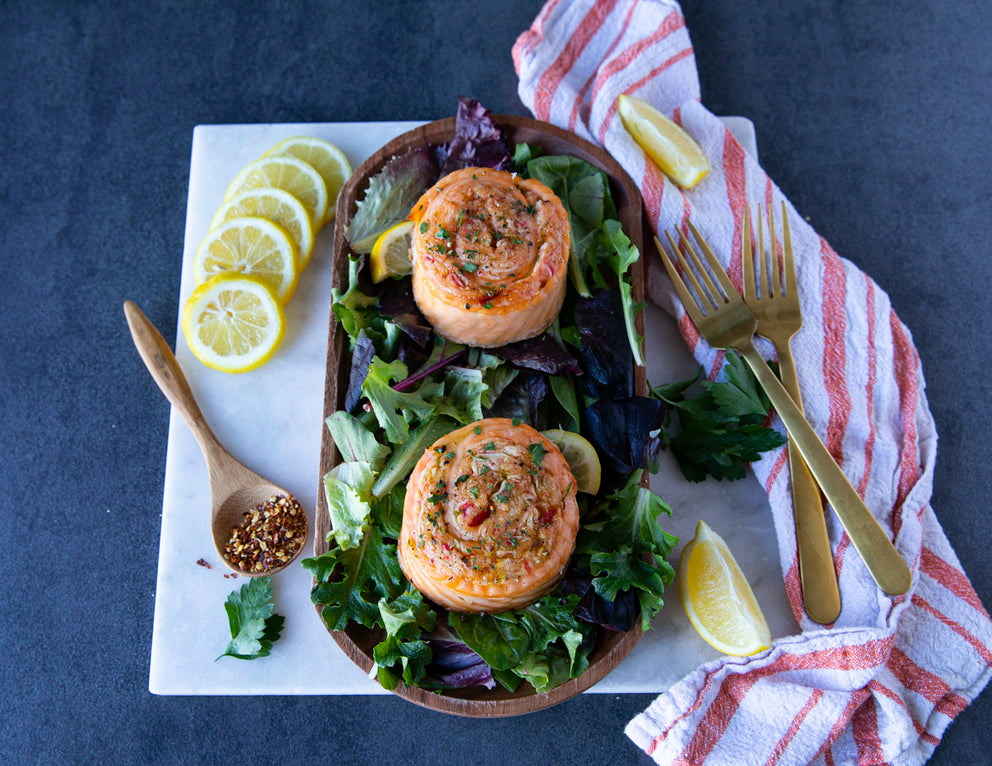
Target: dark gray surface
{"x": 873, "y": 116}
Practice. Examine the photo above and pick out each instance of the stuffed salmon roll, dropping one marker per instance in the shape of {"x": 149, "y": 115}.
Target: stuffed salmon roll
{"x": 490, "y": 518}
{"x": 490, "y": 256}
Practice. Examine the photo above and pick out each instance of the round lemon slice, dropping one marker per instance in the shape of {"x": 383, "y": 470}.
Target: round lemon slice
{"x": 277, "y": 206}
{"x": 717, "y": 597}
{"x": 289, "y": 174}
{"x": 253, "y": 246}
{"x": 233, "y": 323}
{"x": 669, "y": 146}
{"x": 325, "y": 158}
{"x": 581, "y": 458}
{"x": 390, "y": 255}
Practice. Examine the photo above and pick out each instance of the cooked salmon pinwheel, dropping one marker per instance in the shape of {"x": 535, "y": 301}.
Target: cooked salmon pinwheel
{"x": 490, "y": 256}
{"x": 490, "y": 518}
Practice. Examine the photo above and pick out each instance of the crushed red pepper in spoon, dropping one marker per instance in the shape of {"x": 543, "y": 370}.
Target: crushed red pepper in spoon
{"x": 270, "y": 536}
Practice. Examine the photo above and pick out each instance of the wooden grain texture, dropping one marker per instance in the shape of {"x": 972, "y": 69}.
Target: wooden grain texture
{"x": 234, "y": 488}
{"x": 357, "y": 641}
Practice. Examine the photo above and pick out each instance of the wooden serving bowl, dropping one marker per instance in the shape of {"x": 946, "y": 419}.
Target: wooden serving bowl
{"x": 357, "y": 641}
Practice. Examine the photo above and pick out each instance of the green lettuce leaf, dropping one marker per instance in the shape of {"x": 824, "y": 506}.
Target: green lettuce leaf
{"x": 348, "y": 490}
{"x": 354, "y": 441}
{"x": 626, "y": 548}
{"x": 403, "y": 653}
{"x": 623, "y": 255}
{"x": 395, "y": 409}
{"x": 350, "y": 583}
{"x": 390, "y": 195}
{"x": 355, "y": 310}
{"x": 461, "y": 396}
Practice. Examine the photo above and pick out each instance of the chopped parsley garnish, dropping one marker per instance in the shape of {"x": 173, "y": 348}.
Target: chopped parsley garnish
{"x": 537, "y": 452}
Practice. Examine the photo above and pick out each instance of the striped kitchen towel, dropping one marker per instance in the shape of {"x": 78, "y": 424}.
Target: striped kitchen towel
{"x": 883, "y": 682}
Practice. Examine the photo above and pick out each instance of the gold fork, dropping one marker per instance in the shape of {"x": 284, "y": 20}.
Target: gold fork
{"x": 774, "y": 301}
{"x": 722, "y": 317}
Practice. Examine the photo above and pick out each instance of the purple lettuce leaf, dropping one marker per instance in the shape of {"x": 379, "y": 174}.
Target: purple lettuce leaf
{"x": 361, "y": 358}
{"x": 620, "y": 614}
{"x": 454, "y": 665}
{"x": 604, "y": 353}
{"x": 477, "y": 141}
{"x": 626, "y": 431}
{"x": 541, "y": 354}
{"x": 396, "y": 302}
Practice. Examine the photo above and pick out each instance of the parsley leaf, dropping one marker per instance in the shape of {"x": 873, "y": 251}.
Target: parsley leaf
{"x": 722, "y": 428}
{"x": 537, "y": 453}
{"x": 254, "y": 627}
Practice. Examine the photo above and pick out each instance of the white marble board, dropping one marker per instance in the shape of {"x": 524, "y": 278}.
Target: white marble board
{"x": 271, "y": 419}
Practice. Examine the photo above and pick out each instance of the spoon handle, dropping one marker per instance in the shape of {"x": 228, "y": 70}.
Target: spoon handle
{"x": 167, "y": 373}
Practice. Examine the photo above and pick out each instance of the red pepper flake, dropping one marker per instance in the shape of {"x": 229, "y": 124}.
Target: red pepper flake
{"x": 478, "y": 515}
{"x": 271, "y": 535}
{"x": 547, "y": 515}
{"x": 203, "y": 563}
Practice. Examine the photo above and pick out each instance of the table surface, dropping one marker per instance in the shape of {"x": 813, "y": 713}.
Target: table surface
{"x": 872, "y": 117}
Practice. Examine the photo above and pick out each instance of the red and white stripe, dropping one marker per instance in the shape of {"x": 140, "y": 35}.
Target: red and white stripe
{"x": 883, "y": 682}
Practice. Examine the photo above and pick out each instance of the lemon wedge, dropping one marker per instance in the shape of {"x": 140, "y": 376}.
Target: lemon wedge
{"x": 233, "y": 323}
{"x": 390, "y": 255}
{"x": 289, "y": 174}
{"x": 673, "y": 150}
{"x": 324, "y": 157}
{"x": 253, "y": 246}
{"x": 277, "y": 206}
{"x": 717, "y": 597}
{"x": 581, "y": 458}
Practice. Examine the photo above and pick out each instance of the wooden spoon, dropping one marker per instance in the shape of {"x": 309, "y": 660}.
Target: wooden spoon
{"x": 234, "y": 489}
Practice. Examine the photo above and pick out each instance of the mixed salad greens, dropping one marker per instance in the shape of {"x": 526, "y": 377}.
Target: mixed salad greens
{"x": 408, "y": 387}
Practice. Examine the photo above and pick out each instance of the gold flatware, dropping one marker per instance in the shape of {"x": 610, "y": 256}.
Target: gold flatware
{"x": 773, "y": 298}
{"x": 722, "y": 317}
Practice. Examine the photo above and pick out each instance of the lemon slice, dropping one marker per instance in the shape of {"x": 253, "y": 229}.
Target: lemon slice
{"x": 717, "y": 598}
{"x": 289, "y": 174}
{"x": 671, "y": 148}
{"x": 581, "y": 458}
{"x": 253, "y": 246}
{"x": 277, "y": 206}
{"x": 233, "y": 323}
{"x": 325, "y": 158}
{"x": 390, "y": 255}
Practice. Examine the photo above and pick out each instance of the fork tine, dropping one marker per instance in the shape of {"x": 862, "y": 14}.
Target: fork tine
{"x": 730, "y": 292}
{"x": 762, "y": 259}
{"x": 775, "y": 286}
{"x": 688, "y": 302}
{"x": 711, "y": 293}
{"x": 747, "y": 258}
{"x": 788, "y": 264}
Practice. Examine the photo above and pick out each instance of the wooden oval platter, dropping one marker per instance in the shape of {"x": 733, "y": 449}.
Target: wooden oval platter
{"x": 357, "y": 641}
